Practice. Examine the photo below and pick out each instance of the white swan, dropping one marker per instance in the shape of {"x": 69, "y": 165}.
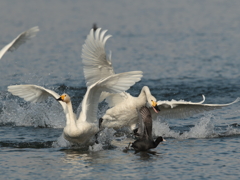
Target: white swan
{"x": 124, "y": 108}
{"x": 80, "y": 130}
{"x": 19, "y": 40}
{"x": 98, "y": 65}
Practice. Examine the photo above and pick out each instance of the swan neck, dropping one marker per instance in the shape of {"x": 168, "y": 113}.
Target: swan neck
{"x": 70, "y": 116}
{"x": 145, "y": 92}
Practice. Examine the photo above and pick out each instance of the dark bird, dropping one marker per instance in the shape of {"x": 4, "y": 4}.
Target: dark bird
{"x": 94, "y": 27}
{"x": 145, "y": 140}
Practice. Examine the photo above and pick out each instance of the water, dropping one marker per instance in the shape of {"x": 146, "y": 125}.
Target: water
{"x": 185, "y": 49}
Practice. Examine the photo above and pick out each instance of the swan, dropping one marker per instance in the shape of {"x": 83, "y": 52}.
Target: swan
{"x": 123, "y": 108}
{"x": 19, "y": 40}
{"x": 122, "y": 112}
{"x": 144, "y": 132}
{"x": 97, "y": 65}
{"x": 79, "y": 130}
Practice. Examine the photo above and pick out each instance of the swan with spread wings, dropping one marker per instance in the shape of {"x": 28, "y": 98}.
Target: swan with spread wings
{"x": 81, "y": 129}
{"x": 122, "y": 112}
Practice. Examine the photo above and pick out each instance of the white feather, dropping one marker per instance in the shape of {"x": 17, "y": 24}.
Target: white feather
{"x": 19, "y": 40}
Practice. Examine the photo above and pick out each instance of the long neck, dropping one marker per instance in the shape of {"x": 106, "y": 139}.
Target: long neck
{"x": 70, "y": 116}
{"x": 143, "y": 94}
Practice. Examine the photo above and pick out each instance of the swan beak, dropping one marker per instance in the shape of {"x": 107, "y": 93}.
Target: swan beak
{"x": 155, "y": 107}
{"x": 60, "y": 98}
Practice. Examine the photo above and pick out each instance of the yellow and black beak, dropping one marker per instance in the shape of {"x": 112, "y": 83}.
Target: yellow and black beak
{"x": 155, "y": 106}
{"x": 61, "y": 98}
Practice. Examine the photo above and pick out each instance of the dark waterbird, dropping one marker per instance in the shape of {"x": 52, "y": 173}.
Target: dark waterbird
{"x": 145, "y": 140}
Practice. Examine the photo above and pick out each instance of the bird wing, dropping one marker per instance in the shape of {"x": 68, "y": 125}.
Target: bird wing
{"x": 147, "y": 120}
{"x": 113, "y": 99}
{"x": 96, "y": 63}
{"x": 183, "y": 109}
{"x": 115, "y": 83}
{"x": 19, "y": 40}
{"x": 140, "y": 126}
{"x": 34, "y": 93}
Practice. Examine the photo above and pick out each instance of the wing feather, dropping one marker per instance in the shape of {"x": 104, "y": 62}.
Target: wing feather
{"x": 94, "y": 57}
{"x": 112, "y": 84}
{"x": 19, "y": 40}
{"x": 183, "y": 109}
{"x": 34, "y": 93}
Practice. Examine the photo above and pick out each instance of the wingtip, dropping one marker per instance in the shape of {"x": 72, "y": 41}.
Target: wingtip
{"x": 203, "y": 99}
{"x": 237, "y": 100}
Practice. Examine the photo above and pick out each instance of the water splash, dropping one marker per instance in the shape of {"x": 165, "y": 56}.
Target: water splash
{"x": 61, "y": 142}
{"x": 205, "y": 128}
{"x": 47, "y": 114}
{"x": 96, "y": 147}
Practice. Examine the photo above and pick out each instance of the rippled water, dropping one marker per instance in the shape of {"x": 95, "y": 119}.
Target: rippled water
{"x": 185, "y": 49}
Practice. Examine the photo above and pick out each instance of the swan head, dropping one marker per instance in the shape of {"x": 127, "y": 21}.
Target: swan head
{"x": 65, "y": 98}
{"x": 152, "y": 102}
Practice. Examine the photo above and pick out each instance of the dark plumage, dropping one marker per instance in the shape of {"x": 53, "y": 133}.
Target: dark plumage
{"x": 146, "y": 144}
{"x": 144, "y": 132}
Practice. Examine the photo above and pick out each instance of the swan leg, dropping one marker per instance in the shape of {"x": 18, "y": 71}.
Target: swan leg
{"x": 100, "y": 122}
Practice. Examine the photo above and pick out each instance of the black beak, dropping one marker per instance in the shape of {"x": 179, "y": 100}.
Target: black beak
{"x": 157, "y": 108}
{"x": 59, "y": 99}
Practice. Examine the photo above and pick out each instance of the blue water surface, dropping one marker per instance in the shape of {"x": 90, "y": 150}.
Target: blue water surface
{"x": 185, "y": 48}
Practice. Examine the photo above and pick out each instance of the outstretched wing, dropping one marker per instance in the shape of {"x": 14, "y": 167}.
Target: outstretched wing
{"x": 183, "y": 109}
{"x": 147, "y": 120}
{"x": 19, "y": 40}
{"x": 34, "y": 93}
{"x": 113, "y": 84}
{"x": 144, "y": 123}
{"x": 96, "y": 63}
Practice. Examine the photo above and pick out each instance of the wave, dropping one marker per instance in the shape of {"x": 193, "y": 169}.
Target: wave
{"x": 205, "y": 128}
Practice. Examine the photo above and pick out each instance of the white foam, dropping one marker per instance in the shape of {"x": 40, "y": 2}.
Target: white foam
{"x": 47, "y": 114}
{"x": 96, "y": 147}
{"x": 105, "y": 136}
{"x": 204, "y": 128}
{"x": 61, "y": 142}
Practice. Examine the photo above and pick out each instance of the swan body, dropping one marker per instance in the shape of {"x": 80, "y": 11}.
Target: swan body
{"x": 19, "y": 40}
{"x": 80, "y": 130}
{"x": 124, "y": 111}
